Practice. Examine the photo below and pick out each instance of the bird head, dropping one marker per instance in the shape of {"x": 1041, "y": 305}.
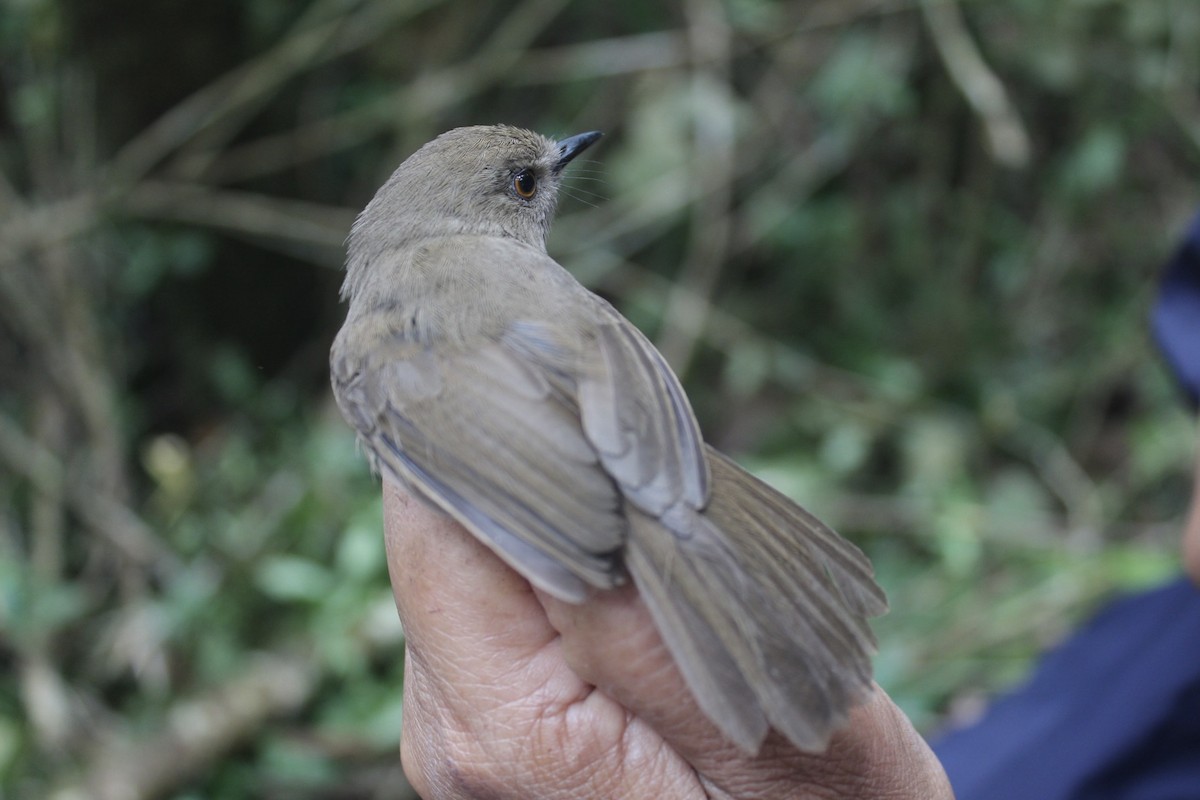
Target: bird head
{"x": 490, "y": 180}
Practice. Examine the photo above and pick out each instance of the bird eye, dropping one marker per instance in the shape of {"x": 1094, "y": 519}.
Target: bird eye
{"x": 525, "y": 184}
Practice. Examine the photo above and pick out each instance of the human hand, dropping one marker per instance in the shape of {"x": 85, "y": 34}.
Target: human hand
{"x": 511, "y": 693}
{"x": 1191, "y": 533}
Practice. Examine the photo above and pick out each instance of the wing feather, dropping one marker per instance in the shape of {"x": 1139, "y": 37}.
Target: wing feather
{"x": 636, "y": 414}
{"x": 483, "y": 435}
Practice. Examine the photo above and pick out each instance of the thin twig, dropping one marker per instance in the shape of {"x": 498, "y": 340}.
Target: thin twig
{"x": 37, "y": 227}
{"x": 1006, "y": 135}
{"x": 195, "y": 733}
{"x": 307, "y": 45}
{"x": 425, "y": 97}
{"x": 245, "y": 213}
{"x": 114, "y": 521}
{"x": 713, "y": 101}
{"x": 603, "y": 58}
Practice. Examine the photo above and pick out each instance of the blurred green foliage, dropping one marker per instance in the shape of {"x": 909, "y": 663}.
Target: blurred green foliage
{"x": 901, "y": 252}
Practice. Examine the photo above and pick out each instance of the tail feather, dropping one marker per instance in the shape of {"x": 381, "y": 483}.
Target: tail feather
{"x": 695, "y": 630}
{"x": 763, "y": 607}
{"x": 850, "y": 571}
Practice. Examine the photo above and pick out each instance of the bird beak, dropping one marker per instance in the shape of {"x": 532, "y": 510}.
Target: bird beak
{"x": 574, "y": 145}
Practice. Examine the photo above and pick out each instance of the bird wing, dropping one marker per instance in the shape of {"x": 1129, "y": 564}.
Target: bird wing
{"x": 533, "y": 429}
{"x": 635, "y": 413}
{"x": 485, "y": 435}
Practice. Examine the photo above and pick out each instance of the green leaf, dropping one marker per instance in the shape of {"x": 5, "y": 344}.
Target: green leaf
{"x": 292, "y": 578}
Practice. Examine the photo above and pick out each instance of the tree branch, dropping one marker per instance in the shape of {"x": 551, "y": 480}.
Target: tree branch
{"x": 983, "y": 91}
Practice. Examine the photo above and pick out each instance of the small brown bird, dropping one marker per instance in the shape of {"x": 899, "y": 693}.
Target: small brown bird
{"x": 484, "y": 378}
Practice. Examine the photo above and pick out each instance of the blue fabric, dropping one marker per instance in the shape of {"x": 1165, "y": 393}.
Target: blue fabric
{"x": 1112, "y": 714}
{"x": 1175, "y": 318}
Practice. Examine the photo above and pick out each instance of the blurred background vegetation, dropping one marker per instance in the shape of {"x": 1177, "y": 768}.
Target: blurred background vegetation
{"x": 901, "y": 252}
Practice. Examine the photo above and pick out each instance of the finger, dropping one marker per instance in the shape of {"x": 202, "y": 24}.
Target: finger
{"x": 611, "y": 642}
{"x": 491, "y": 707}
{"x": 1191, "y": 532}
{"x": 479, "y": 642}
{"x": 465, "y": 613}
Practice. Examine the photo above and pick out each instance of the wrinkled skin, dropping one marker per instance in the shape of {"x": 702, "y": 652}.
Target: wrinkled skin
{"x": 1191, "y": 533}
{"x": 501, "y": 697}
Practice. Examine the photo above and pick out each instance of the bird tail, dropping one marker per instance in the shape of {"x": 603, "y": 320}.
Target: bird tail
{"x": 763, "y": 607}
